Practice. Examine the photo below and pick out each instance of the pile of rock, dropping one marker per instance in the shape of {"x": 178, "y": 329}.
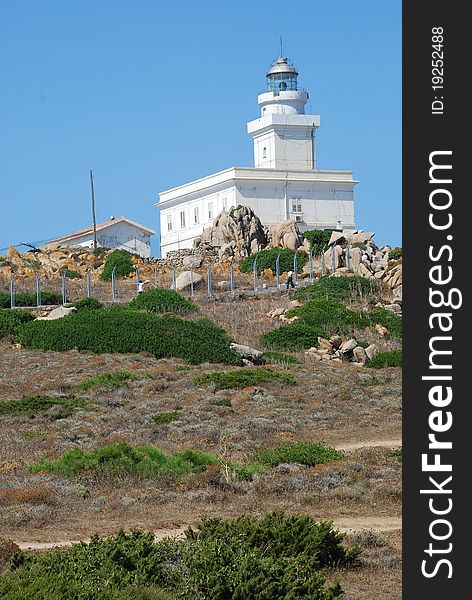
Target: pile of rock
{"x": 338, "y": 350}
{"x": 280, "y": 313}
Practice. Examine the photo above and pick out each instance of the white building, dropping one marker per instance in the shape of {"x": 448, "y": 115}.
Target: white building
{"x": 118, "y": 233}
{"x": 284, "y": 182}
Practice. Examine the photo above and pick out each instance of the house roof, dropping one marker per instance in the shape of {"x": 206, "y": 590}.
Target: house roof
{"x": 101, "y": 226}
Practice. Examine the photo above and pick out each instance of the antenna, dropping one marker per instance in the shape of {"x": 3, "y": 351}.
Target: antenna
{"x": 281, "y": 46}
{"x": 93, "y": 212}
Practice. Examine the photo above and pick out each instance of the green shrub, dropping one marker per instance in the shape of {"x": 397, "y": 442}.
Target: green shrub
{"x": 87, "y": 304}
{"x": 33, "y": 406}
{"x": 337, "y": 288}
{"x": 125, "y": 459}
{"x": 122, "y": 260}
{"x": 305, "y": 453}
{"x": 295, "y": 336}
{"x": 225, "y": 380}
{"x": 281, "y": 358}
{"x": 127, "y": 331}
{"x": 100, "y": 250}
{"x": 318, "y": 238}
{"x": 398, "y": 453}
{"x": 266, "y": 260}
{"x": 163, "y": 301}
{"x": 274, "y": 557}
{"x": 166, "y": 417}
{"x": 11, "y": 320}
{"x": 29, "y": 299}
{"x": 395, "y": 254}
{"x": 71, "y": 274}
{"x": 386, "y": 359}
{"x": 114, "y": 379}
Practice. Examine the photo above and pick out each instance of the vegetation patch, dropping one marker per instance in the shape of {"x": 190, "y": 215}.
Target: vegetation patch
{"x": 398, "y": 453}
{"x": 266, "y": 259}
{"x": 113, "y": 379}
{"x": 87, "y": 304}
{"x": 166, "y": 417}
{"x": 125, "y": 459}
{"x": 305, "y": 453}
{"x": 35, "y": 406}
{"x": 337, "y": 288}
{"x": 387, "y": 359}
{"x": 280, "y": 357}
{"x": 163, "y": 301}
{"x": 128, "y": 331}
{"x": 395, "y": 254}
{"x": 30, "y": 299}
{"x": 318, "y": 238}
{"x": 225, "y": 380}
{"x": 121, "y": 261}
{"x": 71, "y": 274}
{"x": 295, "y": 336}
{"x": 11, "y": 320}
{"x": 271, "y": 557}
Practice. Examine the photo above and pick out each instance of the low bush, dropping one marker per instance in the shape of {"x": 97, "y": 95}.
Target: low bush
{"x": 281, "y": 358}
{"x": 225, "y": 380}
{"x": 71, "y": 274}
{"x": 266, "y": 259}
{"x": 87, "y": 304}
{"x": 34, "y": 406}
{"x": 305, "y": 453}
{"x": 398, "y": 453}
{"x": 125, "y": 459}
{"x": 318, "y": 238}
{"x": 386, "y": 359}
{"x": 114, "y": 379}
{"x": 295, "y": 336}
{"x": 337, "y": 288}
{"x": 166, "y": 417}
{"x": 29, "y": 299}
{"x": 11, "y": 320}
{"x": 128, "y": 331}
{"x": 163, "y": 301}
{"x": 395, "y": 254}
{"x": 274, "y": 557}
{"x": 121, "y": 260}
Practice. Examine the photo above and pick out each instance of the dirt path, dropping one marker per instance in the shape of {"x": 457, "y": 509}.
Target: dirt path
{"x": 395, "y": 443}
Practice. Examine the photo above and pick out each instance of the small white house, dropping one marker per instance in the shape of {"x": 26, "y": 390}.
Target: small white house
{"x": 118, "y": 232}
{"x": 284, "y": 183}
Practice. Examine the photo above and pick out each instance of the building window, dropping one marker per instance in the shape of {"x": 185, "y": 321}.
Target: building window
{"x": 196, "y": 215}
{"x": 210, "y": 210}
{"x": 169, "y": 222}
{"x": 296, "y": 205}
{"x": 225, "y": 204}
{"x": 264, "y": 152}
{"x": 182, "y": 218}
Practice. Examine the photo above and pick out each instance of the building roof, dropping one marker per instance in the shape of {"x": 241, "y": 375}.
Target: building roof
{"x": 100, "y": 226}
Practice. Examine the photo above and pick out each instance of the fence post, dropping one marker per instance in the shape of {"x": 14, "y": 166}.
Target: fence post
{"x": 174, "y": 277}
{"x": 137, "y": 280}
{"x": 89, "y": 284}
{"x": 295, "y": 272}
{"x": 322, "y": 263}
{"x": 38, "y": 290}
{"x": 64, "y": 287}
{"x": 209, "y": 280}
{"x": 113, "y": 285}
{"x": 348, "y": 255}
{"x": 310, "y": 259}
{"x": 254, "y": 268}
{"x": 231, "y": 276}
{"x": 277, "y": 270}
{"x": 333, "y": 260}
{"x": 12, "y": 291}
{"x": 191, "y": 283}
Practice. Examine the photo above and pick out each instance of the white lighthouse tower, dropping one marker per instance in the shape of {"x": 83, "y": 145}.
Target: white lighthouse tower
{"x": 284, "y": 183}
{"x": 284, "y": 136}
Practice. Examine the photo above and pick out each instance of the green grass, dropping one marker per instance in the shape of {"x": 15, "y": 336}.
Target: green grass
{"x": 245, "y": 377}
{"x": 266, "y": 259}
{"x": 87, "y": 304}
{"x": 305, "y": 453}
{"x": 386, "y": 359}
{"x": 272, "y": 557}
{"x": 124, "y": 330}
{"x": 337, "y": 288}
{"x": 163, "y": 301}
{"x": 396, "y": 454}
{"x": 113, "y": 379}
{"x": 281, "y": 358}
{"x": 35, "y": 406}
{"x": 125, "y": 459}
{"x": 11, "y": 320}
{"x": 166, "y": 417}
{"x": 29, "y": 299}
{"x": 292, "y": 337}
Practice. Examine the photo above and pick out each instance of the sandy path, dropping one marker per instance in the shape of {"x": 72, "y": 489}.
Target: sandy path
{"x": 395, "y": 443}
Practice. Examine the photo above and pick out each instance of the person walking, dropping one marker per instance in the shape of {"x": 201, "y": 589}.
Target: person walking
{"x": 141, "y": 285}
{"x": 290, "y": 280}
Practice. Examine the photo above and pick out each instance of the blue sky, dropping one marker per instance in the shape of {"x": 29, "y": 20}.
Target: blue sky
{"x": 151, "y": 94}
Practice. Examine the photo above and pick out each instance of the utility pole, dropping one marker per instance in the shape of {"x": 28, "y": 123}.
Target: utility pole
{"x": 93, "y": 213}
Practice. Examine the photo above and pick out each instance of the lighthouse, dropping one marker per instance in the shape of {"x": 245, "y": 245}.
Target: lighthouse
{"x": 284, "y": 183}
{"x": 283, "y": 136}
